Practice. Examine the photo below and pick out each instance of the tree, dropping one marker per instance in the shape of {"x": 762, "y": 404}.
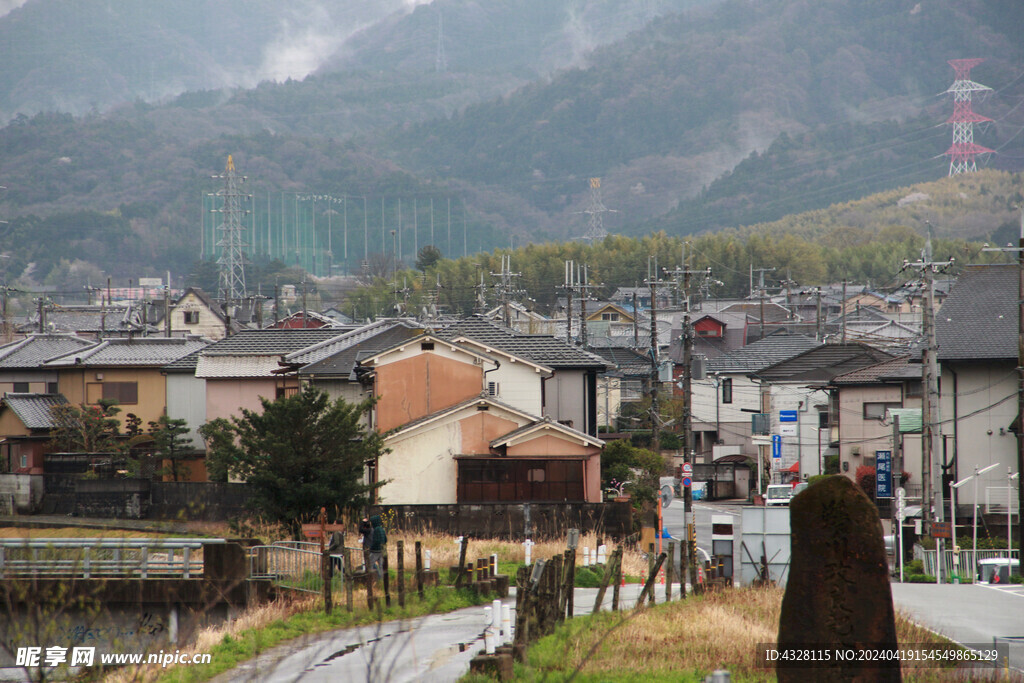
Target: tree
{"x": 427, "y": 256}
{"x": 170, "y": 443}
{"x": 303, "y": 452}
{"x": 637, "y": 468}
{"x": 87, "y": 428}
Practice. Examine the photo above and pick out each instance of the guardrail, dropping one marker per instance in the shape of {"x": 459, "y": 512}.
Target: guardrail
{"x": 295, "y": 564}
{"x": 965, "y": 567}
{"x": 102, "y": 557}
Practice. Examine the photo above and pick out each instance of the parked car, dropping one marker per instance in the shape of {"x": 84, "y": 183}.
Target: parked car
{"x": 997, "y": 570}
{"x": 780, "y": 494}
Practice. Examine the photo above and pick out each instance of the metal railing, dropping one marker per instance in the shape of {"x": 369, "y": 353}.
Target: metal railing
{"x": 296, "y": 564}
{"x": 965, "y": 568}
{"x": 88, "y": 558}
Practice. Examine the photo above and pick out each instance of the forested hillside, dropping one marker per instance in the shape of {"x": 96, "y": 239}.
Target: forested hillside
{"x": 731, "y": 113}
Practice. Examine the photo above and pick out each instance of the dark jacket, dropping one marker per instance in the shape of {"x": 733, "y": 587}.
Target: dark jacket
{"x": 366, "y": 529}
{"x": 380, "y": 537}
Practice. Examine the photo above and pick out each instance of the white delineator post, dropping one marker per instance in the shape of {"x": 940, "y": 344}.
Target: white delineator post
{"x": 586, "y": 556}
{"x": 506, "y": 624}
{"x": 528, "y": 544}
{"x": 426, "y": 560}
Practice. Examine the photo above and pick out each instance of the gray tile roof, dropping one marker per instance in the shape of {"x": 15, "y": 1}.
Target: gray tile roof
{"x": 896, "y": 370}
{"x": 140, "y": 351}
{"x": 763, "y": 353}
{"x": 978, "y": 320}
{"x": 626, "y": 361}
{"x": 823, "y": 363}
{"x": 268, "y": 341}
{"x": 34, "y": 350}
{"x": 539, "y": 348}
{"x": 343, "y": 353}
{"x": 34, "y": 409}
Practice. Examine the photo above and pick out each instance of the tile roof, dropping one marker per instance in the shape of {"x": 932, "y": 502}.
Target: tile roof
{"x": 762, "y": 353}
{"x": 343, "y": 341}
{"x": 539, "y": 348}
{"x": 224, "y": 367}
{"x": 34, "y": 409}
{"x": 823, "y": 363}
{"x": 898, "y": 369}
{"x": 978, "y": 320}
{"x": 281, "y": 342}
{"x": 357, "y": 347}
{"x": 626, "y": 361}
{"x": 137, "y": 351}
{"x": 545, "y": 424}
{"x": 35, "y": 349}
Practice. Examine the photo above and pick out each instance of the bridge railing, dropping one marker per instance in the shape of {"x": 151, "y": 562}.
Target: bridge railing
{"x": 295, "y": 564}
{"x": 102, "y": 557}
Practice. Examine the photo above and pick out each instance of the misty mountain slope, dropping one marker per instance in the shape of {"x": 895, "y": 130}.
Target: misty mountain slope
{"x": 523, "y": 37}
{"x": 705, "y": 89}
{"x": 77, "y": 56}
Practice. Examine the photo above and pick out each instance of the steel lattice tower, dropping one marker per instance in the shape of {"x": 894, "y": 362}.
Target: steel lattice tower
{"x": 963, "y": 150}
{"x": 595, "y": 212}
{"x": 231, "y": 285}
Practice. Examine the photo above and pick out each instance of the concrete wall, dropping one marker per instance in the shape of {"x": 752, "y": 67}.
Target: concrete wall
{"x": 186, "y": 400}
{"x": 227, "y": 397}
{"x": 515, "y": 520}
{"x": 419, "y": 384}
{"x": 566, "y": 398}
{"x": 25, "y": 491}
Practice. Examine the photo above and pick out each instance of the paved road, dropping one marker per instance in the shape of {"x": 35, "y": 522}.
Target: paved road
{"x": 969, "y": 614}
{"x": 434, "y": 649}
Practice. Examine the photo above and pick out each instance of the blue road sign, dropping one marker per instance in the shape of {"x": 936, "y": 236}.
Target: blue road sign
{"x": 883, "y": 474}
{"x": 776, "y": 446}
{"x": 787, "y": 416}
{"x": 686, "y": 482}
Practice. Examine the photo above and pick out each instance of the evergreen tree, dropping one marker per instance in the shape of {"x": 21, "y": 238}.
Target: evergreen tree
{"x": 301, "y": 453}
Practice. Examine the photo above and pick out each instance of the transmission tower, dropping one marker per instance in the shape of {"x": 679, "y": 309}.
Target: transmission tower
{"x": 963, "y": 150}
{"x": 440, "y": 61}
{"x": 231, "y": 285}
{"x": 595, "y": 213}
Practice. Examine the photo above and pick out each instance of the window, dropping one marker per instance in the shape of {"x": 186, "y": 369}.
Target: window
{"x": 612, "y": 317}
{"x": 122, "y": 392}
{"x": 24, "y": 460}
{"x": 191, "y": 317}
{"x": 51, "y": 387}
{"x": 727, "y": 390}
{"x": 507, "y": 479}
{"x": 21, "y": 387}
{"x": 914, "y": 389}
{"x": 876, "y": 411}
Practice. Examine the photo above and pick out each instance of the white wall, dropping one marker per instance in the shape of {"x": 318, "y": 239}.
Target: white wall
{"x": 186, "y": 400}
{"x": 421, "y": 468}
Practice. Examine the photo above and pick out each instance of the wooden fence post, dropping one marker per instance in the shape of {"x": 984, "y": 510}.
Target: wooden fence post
{"x": 570, "y": 582}
{"x": 460, "y": 576}
{"x": 326, "y": 573}
{"x": 419, "y": 568}
{"x": 347, "y": 556}
{"x": 387, "y": 578}
{"x": 670, "y": 571}
{"x": 400, "y": 546}
{"x": 618, "y": 579}
{"x": 609, "y": 576}
{"x": 648, "y": 590}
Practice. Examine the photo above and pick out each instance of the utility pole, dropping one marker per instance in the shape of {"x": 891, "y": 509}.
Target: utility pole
{"x": 653, "y": 282}
{"x": 760, "y": 290}
{"x": 931, "y": 466}
{"x": 1020, "y": 376}
{"x": 505, "y": 289}
{"x": 570, "y": 290}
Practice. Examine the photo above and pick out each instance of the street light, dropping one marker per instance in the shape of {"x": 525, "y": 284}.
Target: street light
{"x": 977, "y": 475}
{"x": 952, "y": 514}
{"x": 1009, "y": 508}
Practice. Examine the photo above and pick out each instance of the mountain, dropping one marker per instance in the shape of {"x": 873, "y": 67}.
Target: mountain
{"x": 78, "y": 56}
{"x": 727, "y": 113}
{"x": 662, "y": 114}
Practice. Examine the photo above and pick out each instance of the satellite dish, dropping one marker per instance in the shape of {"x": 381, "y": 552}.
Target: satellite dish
{"x": 666, "y": 495}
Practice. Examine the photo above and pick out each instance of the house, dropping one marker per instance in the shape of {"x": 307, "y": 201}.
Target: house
{"x": 977, "y": 334}
{"x": 308, "y": 320}
{"x": 726, "y": 400}
{"x": 127, "y": 370}
{"x": 860, "y": 422}
{"x": 21, "y": 362}
{"x": 450, "y": 441}
{"x": 569, "y": 396}
{"x": 195, "y": 313}
{"x": 625, "y": 382}
{"x": 798, "y": 401}
{"x": 239, "y": 370}
{"x": 522, "y": 319}
{"x": 94, "y": 322}
{"x": 26, "y": 421}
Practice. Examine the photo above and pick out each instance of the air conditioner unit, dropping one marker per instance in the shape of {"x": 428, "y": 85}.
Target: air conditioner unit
{"x": 855, "y": 450}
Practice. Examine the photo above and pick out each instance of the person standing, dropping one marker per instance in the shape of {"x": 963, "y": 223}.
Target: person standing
{"x": 378, "y": 546}
{"x": 366, "y": 530}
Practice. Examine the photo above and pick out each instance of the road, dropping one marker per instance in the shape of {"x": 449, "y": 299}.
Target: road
{"x": 969, "y": 614}
{"x": 434, "y": 649}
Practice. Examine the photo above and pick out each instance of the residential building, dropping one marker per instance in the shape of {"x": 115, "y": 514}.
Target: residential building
{"x": 26, "y": 422}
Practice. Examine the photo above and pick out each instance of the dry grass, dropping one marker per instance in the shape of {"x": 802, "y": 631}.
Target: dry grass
{"x": 685, "y": 639}
{"x": 76, "y": 532}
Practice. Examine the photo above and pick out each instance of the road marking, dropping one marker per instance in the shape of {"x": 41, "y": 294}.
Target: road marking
{"x": 1015, "y": 589}
{"x": 716, "y": 509}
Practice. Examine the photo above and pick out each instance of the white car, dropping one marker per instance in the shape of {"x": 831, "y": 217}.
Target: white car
{"x": 780, "y": 494}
